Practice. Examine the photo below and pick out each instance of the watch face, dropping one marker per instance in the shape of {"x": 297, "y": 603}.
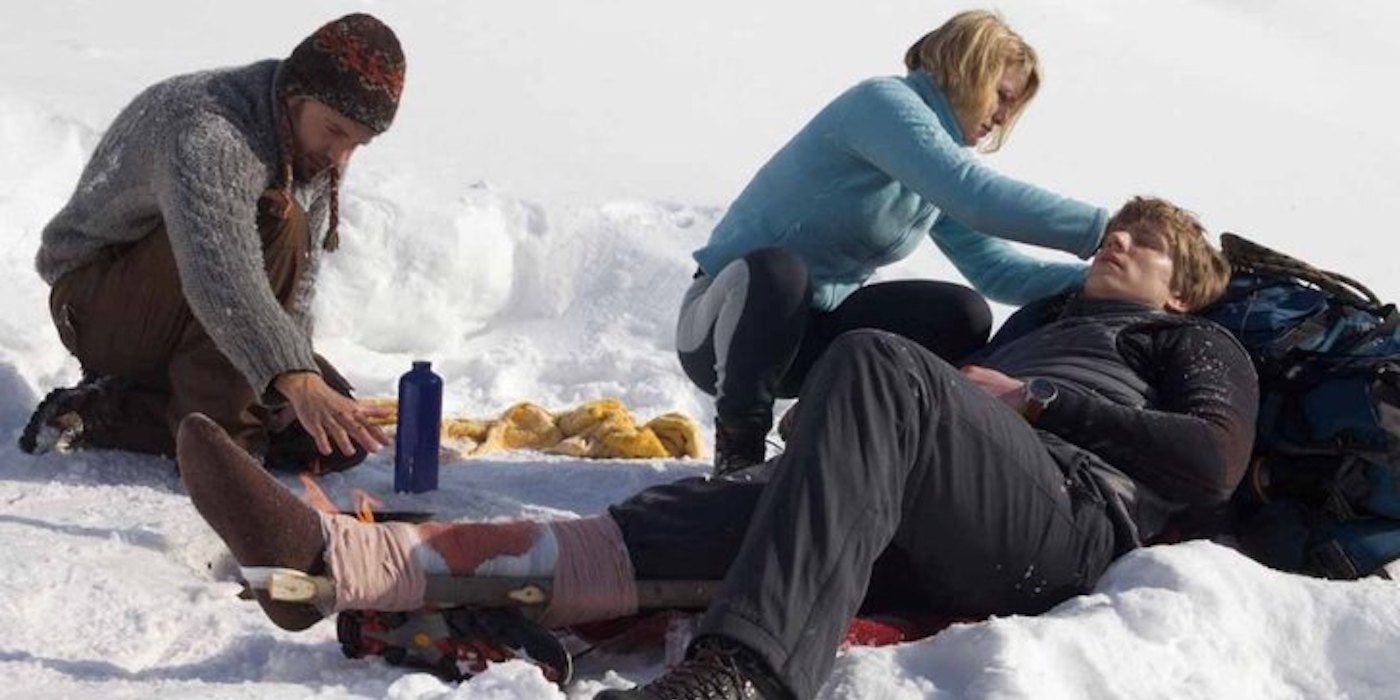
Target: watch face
{"x": 1041, "y": 391}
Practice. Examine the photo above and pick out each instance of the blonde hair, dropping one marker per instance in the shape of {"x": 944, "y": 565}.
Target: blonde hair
{"x": 967, "y": 57}
{"x": 1199, "y": 272}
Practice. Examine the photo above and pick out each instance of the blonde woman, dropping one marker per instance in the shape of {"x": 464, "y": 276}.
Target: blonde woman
{"x": 887, "y": 163}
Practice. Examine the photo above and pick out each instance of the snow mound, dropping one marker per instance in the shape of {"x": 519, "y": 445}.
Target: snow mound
{"x": 1192, "y": 620}
{"x": 43, "y": 154}
{"x": 513, "y": 680}
{"x": 513, "y": 302}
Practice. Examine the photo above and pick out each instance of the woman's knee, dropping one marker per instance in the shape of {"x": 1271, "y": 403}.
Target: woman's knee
{"x": 949, "y": 319}
{"x": 969, "y": 311}
{"x": 958, "y": 319}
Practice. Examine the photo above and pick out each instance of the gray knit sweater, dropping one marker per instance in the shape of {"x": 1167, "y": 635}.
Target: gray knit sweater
{"x": 196, "y": 152}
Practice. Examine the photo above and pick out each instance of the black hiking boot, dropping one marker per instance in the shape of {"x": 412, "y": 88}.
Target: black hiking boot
{"x": 62, "y": 417}
{"x": 738, "y": 447}
{"x": 717, "y": 670}
{"x": 292, "y": 450}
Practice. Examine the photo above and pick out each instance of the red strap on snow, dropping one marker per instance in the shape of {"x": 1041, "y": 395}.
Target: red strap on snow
{"x": 642, "y": 631}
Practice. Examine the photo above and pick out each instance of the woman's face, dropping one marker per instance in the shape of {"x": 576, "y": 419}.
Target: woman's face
{"x": 996, "y": 109}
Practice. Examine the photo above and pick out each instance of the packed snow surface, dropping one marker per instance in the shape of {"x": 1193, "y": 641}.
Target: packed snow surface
{"x": 613, "y": 135}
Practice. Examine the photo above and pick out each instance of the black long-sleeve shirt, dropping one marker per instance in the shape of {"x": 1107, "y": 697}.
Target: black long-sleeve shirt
{"x": 1185, "y": 431}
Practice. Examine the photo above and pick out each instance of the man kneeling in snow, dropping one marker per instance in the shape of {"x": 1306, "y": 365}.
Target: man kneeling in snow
{"x": 1004, "y": 488}
{"x": 184, "y": 264}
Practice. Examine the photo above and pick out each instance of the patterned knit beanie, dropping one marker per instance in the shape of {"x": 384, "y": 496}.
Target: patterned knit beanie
{"x": 354, "y": 65}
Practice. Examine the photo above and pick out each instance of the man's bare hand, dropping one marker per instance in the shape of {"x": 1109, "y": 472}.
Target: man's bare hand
{"x": 330, "y": 417}
{"x": 1010, "y": 390}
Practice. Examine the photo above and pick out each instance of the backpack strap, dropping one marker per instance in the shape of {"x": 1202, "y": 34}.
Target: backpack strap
{"x": 1247, "y": 256}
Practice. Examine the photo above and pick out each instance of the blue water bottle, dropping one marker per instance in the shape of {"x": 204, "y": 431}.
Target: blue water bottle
{"x": 419, "y": 431}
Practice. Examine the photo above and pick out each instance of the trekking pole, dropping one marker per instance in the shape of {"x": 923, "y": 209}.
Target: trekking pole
{"x": 445, "y": 590}
{"x": 499, "y": 592}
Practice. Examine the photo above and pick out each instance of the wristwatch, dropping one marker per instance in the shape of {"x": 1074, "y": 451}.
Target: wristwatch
{"x": 1040, "y": 393}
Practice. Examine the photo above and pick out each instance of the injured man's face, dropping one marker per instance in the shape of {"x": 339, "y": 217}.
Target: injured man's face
{"x": 1134, "y": 265}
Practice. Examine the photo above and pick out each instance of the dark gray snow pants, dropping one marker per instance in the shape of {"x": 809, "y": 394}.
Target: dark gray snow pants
{"x": 899, "y": 469}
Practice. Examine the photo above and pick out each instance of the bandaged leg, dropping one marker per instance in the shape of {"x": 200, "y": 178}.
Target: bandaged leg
{"x": 593, "y": 579}
{"x": 385, "y": 567}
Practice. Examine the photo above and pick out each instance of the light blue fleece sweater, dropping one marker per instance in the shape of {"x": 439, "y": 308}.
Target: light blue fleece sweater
{"x": 881, "y": 166}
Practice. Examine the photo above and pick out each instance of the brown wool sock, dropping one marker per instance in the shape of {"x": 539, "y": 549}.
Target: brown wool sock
{"x": 262, "y": 523}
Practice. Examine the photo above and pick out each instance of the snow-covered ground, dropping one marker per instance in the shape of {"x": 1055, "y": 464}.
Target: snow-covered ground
{"x": 612, "y": 136}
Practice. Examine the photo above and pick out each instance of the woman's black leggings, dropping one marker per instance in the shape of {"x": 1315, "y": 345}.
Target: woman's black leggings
{"x": 749, "y": 334}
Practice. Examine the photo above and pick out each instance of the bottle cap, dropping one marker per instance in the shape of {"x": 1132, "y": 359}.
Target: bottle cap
{"x": 422, "y": 364}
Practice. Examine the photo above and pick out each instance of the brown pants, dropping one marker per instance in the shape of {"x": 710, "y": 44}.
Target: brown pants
{"x": 124, "y": 315}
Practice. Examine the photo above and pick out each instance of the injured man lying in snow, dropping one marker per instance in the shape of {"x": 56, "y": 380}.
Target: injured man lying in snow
{"x": 1002, "y": 487}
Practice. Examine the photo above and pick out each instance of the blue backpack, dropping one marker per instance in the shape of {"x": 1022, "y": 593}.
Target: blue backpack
{"x": 1322, "y": 495}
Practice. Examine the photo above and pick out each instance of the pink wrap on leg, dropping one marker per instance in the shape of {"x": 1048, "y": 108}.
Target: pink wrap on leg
{"x": 373, "y": 565}
{"x": 594, "y": 579}
{"x": 385, "y": 566}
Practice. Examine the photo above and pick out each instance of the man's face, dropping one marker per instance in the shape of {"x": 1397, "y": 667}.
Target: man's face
{"x": 1134, "y": 266}
{"x": 322, "y": 137}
